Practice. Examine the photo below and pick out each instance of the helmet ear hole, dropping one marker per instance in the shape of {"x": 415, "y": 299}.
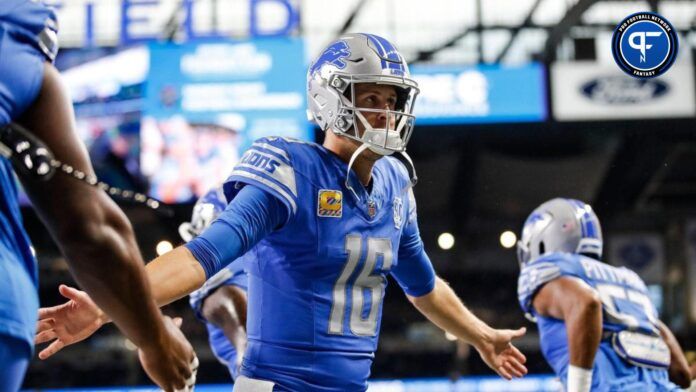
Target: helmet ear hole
{"x": 402, "y": 95}
{"x": 348, "y": 94}
{"x": 542, "y": 248}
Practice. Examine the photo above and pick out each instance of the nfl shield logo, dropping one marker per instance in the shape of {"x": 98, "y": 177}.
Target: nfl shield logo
{"x": 398, "y": 210}
{"x": 371, "y": 208}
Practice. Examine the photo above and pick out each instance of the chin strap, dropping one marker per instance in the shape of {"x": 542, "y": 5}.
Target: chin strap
{"x": 410, "y": 167}
{"x": 413, "y": 177}
{"x": 31, "y": 158}
{"x": 355, "y": 155}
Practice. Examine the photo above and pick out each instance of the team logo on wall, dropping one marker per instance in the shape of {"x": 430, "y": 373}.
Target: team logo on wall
{"x": 330, "y": 203}
{"x": 645, "y": 45}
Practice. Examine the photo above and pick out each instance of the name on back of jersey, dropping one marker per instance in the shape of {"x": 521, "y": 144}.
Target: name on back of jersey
{"x": 603, "y": 272}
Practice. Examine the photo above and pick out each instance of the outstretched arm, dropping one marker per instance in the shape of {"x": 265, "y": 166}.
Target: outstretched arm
{"x": 248, "y": 218}
{"x": 97, "y": 239}
{"x": 679, "y": 372}
{"x": 572, "y": 300}
{"x": 171, "y": 275}
{"x": 436, "y": 300}
{"x": 226, "y": 309}
{"x": 444, "y": 309}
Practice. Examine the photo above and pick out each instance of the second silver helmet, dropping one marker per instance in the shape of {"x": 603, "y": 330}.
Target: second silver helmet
{"x": 560, "y": 225}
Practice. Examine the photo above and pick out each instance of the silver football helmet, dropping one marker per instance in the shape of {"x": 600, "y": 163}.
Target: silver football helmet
{"x": 331, "y": 80}
{"x": 560, "y": 225}
{"x": 206, "y": 210}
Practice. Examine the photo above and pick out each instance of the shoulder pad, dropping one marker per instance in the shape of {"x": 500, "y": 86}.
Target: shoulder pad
{"x": 267, "y": 164}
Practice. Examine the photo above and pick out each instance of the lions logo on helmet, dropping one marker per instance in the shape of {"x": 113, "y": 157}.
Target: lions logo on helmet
{"x": 560, "y": 225}
{"x": 335, "y": 54}
{"x": 206, "y": 210}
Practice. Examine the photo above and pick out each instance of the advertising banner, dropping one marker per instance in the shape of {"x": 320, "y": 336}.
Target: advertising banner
{"x": 483, "y": 94}
{"x": 592, "y": 91}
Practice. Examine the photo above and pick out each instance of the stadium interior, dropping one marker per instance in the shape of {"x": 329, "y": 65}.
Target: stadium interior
{"x": 521, "y": 102}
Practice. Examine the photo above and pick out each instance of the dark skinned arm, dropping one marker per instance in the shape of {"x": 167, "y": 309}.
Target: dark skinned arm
{"x": 576, "y": 303}
{"x": 679, "y": 372}
{"x": 226, "y": 309}
{"x": 98, "y": 241}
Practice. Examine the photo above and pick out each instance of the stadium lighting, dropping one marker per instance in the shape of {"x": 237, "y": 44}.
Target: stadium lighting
{"x": 163, "y": 247}
{"x": 445, "y": 241}
{"x": 508, "y": 239}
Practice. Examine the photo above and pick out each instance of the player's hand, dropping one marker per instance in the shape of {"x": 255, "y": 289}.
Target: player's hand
{"x": 68, "y": 323}
{"x": 501, "y": 356}
{"x": 170, "y": 362}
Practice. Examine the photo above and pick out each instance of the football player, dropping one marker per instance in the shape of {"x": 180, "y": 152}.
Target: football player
{"x": 221, "y": 303}
{"x": 91, "y": 231}
{"x": 326, "y": 224}
{"x": 599, "y": 330}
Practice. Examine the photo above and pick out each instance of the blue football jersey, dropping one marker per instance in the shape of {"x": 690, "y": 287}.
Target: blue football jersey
{"x": 32, "y": 23}
{"x": 27, "y": 40}
{"x": 20, "y": 303}
{"x": 25, "y": 44}
{"x": 316, "y": 284}
{"x": 626, "y": 306}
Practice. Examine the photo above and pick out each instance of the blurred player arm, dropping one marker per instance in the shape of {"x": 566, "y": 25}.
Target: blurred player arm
{"x": 97, "y": 239}
{"x": 220, "y": 309}
{"x": 572, "y": 300}
{"x": 679, "y": 372}
{"x": 226, "y": 308}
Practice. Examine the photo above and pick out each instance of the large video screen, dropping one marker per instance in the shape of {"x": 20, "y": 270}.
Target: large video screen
{"x": 207, "y": 102}
{"x": 480, "y": 94}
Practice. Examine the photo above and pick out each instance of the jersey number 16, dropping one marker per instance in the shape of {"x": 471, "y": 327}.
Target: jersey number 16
{"x": 366, "y": 280}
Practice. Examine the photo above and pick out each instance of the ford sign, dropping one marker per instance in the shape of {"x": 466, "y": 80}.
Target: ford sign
{"x": 623, "y": 90}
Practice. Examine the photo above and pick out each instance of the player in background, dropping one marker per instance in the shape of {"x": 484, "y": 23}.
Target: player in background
{"x": 91, "y": 231}
{"x": 221, "y": 303}
{"x": 326, "y": 225}
{"x": 599, "y": 330}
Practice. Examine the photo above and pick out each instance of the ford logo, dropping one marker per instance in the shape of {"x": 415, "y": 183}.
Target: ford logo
{"x": 623, "y": 90}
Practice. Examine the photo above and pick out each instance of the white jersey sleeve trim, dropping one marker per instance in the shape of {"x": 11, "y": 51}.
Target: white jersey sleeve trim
{"x": 280, "y": 170}
{"x": 273, "y": 149}
{"x": 268, "y": 183}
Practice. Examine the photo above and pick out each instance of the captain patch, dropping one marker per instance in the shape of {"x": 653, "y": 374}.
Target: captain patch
{"x": 330, "y": 203}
